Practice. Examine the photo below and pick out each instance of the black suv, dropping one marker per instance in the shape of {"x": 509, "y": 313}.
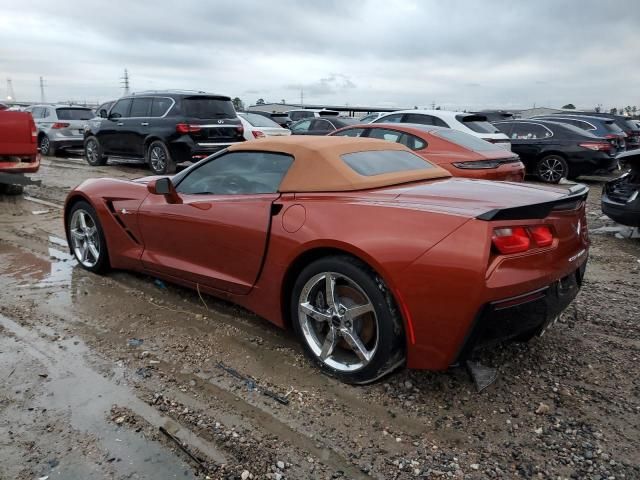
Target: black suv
{"x": 163, "y": 128}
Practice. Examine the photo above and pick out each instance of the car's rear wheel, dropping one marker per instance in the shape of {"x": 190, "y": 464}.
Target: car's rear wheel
{"x": 87, "y": 238}
{"x": 93, "y": 152}
{"x": 46, "y": 147}
{"x": 159, "y": 159}
{"x": 552, "y": 168}
{"x": 347, "y": 320}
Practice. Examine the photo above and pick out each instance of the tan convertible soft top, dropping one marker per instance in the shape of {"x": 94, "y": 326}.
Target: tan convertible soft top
{"x": 317, "y": 165}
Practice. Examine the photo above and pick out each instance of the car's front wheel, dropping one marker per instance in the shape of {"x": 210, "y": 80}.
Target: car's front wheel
{"x": 87, "y": 238}
{"x": 46, "y": 147}
{"x": 159, "y": 159}
{"x": 552, "y": 168}
{"x": 347, "y": 320}
{"x": 93, "y": 152}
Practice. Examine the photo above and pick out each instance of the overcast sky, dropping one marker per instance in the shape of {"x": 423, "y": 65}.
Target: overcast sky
{"x": 456, "y": 53}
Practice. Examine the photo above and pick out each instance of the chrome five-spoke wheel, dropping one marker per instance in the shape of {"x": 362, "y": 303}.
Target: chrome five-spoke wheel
{"x": 85, "y": 239}
{"x": 158, "y": 158}
{"x": 338, "y": 321}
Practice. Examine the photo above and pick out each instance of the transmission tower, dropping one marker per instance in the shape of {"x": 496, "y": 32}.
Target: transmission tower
{"x": 125, "y": 82}
{"x": 10, "y": 94}
{"x": 42, "y": 90}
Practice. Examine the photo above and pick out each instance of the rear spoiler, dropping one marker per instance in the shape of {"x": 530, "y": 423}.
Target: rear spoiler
{"x": 577, "y": 194}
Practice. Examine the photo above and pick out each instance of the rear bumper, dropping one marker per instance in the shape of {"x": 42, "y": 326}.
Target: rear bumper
{"x": 522, "y": 317}
{"x": 594, "y": 164}
{"x": 623, "y": 213}
{"x": 30, "y": 166}
{"x": 185, "y": 150}
{"x": 73, "y": 142}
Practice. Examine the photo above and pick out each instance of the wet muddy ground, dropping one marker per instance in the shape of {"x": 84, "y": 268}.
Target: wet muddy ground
{"x": 92, "y": 367}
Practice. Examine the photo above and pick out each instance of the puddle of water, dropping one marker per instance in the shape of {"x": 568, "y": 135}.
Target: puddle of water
{"x": 73, "y": 388}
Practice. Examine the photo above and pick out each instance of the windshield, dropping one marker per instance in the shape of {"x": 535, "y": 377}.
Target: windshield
{"x": 208, "y": 107}
{"x": 259, "y": 121}
{"x": 477, "y": 123}
{"x": 74, "y": 113}
{"x": 465, "y": 140}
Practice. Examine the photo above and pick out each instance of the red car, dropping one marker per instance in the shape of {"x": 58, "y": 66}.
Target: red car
{"x": 459, "y": 153}
{"x": 18, "y": 150}
{"x": 373, "y": 256}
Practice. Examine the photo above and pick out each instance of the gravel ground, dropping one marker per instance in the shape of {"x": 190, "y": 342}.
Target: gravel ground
{"x": 91, "y": 368}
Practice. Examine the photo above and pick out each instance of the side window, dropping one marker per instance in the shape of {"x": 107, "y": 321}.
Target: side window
{"x": 237, "y": 173}
{"x": 36, "y": 112}
{"x": 120, "y": 109}
{"x": 46, "y": 112}
{"x": 352, "y": 132}
{"x": 384, "y": 134}
{"x": 504, "y": 128}
{"x": 301, "y": 127}
{"x": 529, "y": 131}
{"x": 412, "y": 142}
{"x": 418, "y": 118}
{"x": 160, "y": 106}
{"x": 319, "y": 125}
{"x": 141, "y": 107}
{"x": 394, "y": 118}
{"x": 295, "y": 116}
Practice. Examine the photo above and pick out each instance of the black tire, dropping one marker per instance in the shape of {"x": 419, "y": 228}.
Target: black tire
{"x": 46, "y": 147}
{"x": 552, "y": 168}
{"x": 11, "y": 189}
{"x": 93, "y": 152}
{"x": 102, "y": 264}
{"x": 386, "y": 355}
{"x": 159, "y": 159}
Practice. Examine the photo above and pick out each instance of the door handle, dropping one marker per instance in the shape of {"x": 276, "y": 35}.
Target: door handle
{"x": 145, "y": 124}
{"x": 120, "y": 124}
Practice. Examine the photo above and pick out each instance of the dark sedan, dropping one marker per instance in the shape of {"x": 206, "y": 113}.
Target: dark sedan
{"x": 599, "y": 126}
{"x": 553, "y": 150}
{"x": 321, "y": 126}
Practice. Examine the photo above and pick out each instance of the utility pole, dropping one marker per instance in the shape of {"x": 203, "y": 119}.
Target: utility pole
{"x": 301, "y": 97}
{"x": 10, "y": 95}
{"x": 433, "y": 105}
{"x": 125, "y": 82}
{"x": 41, "y": 90}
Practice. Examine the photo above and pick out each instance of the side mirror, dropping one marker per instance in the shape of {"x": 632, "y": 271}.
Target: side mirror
{"x": 102, "y": 113}
{"x": 164, "y": 186}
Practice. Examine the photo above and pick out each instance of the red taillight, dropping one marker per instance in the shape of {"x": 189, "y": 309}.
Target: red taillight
{"x": 34, "y": 136}
{"x": 519, "y": 239}
{"x": 186, "y": 128}
{"x": 598, "y": 146}
{"x": 511, "y": 240}
{"x": 59, "y": 125}
{"x": 258, "y": 134}
{"x": 542, "y": 235}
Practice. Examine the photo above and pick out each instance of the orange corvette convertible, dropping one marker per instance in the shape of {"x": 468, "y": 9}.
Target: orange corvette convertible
{"x": 373, "y": 256}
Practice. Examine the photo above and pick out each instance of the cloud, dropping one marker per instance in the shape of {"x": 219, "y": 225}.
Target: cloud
{"x": 458, "y": 54}
{"x": 335, "y": 82}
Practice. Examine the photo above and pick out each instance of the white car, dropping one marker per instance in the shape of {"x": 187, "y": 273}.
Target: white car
{"x": 302, "y": 113}
{"x": 471, "y": 123}
{"x": 257, "y": 126}
{"x": 370, "y": 117}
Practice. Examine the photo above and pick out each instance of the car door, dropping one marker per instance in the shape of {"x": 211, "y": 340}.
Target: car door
{"x": 216, "y": 233}
{"x": 136, "y": 126}
{"x": 111, "y": 131}
{"x": 528, "y": 139}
